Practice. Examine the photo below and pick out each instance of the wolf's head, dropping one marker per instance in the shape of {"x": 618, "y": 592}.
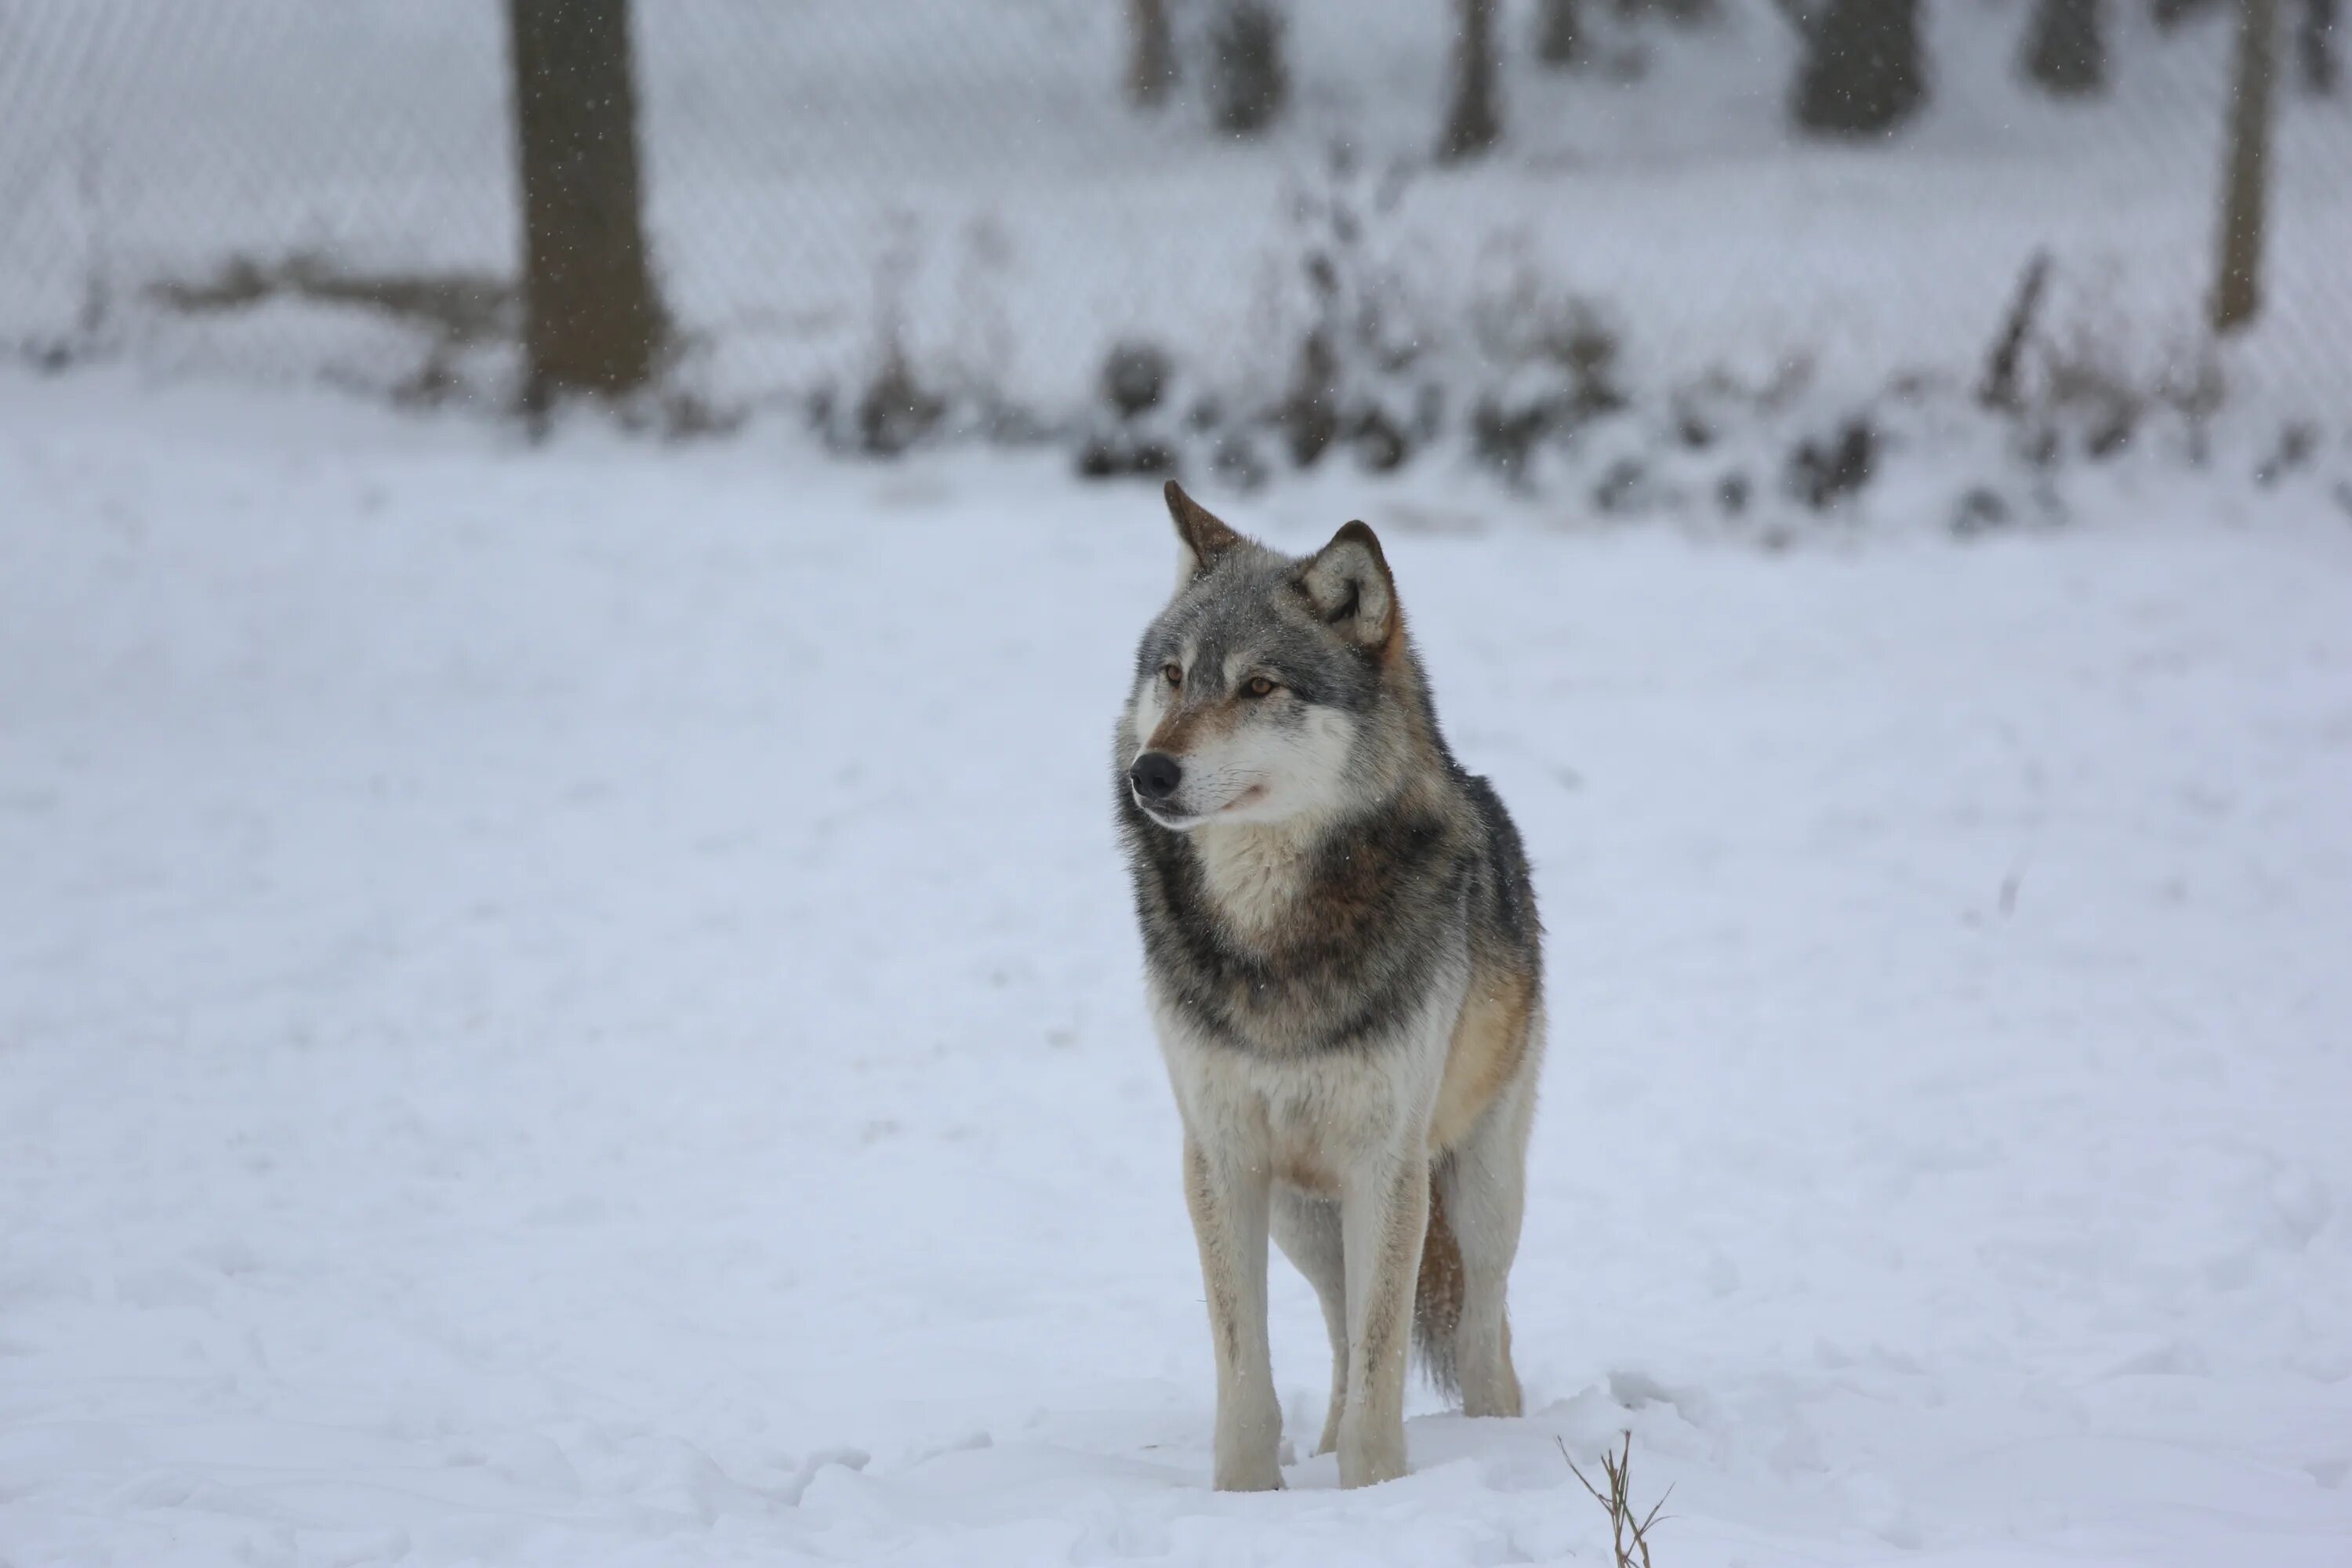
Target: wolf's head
{"x": 1271, "y": 688}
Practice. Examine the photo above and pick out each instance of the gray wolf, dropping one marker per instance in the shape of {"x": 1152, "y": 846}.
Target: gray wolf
{"x": 1344, "y": 968}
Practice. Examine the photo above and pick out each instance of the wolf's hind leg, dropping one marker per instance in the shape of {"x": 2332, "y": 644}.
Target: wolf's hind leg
{"x": 1483, "y": 1189}
{"x": 1308, "y": 1231}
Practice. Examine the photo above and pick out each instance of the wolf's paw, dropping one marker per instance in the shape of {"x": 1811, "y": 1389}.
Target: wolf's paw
{"x": 1248, "y": 1446}
{"x": 1367, "y": 1464}
{"x": 1263, "y": 1477}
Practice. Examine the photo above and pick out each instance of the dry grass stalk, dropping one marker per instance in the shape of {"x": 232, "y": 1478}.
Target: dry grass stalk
{"x": 1628, "y": 1537}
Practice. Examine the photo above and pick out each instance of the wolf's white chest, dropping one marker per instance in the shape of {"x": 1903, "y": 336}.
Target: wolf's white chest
{"x": 1254, "y": 875}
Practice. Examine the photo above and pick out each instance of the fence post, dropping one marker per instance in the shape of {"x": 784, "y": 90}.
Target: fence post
{"x": 2237, "y": 289}
{"x": 590, "y": 321}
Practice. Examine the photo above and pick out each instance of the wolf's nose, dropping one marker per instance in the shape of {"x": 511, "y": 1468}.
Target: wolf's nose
{"x": 1156, "y": 775}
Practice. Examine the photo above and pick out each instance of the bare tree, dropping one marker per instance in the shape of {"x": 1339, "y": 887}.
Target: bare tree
{"x": 1151, "y": 57}
{"x": 1559, "y": 33}
{"x": 2066, "y": 47}
{"x": 592, "y": 322}
{"x": 2237, "y": 289}
{"x": 1473, "y": 121}
{"x": 1862, "y": 73}
{"x": 1248, "y": 85}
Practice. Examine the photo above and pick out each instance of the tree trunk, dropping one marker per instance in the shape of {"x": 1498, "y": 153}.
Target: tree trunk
{"x": 2170, "y": 13}
{"x": 2237, "y": 291}
{"x": 2065, "y": 50}
{"x": 591, "y": 323}
{"x": 1559, "y": 33}
{"x": 1248, "y": 84}
{"x": 1862, "y": 72}
{"x": 1683, "y": 13}
{"x": 1152, "y": 64}
{"x": 2315, "y": 45}
{"x": 1474, "y": 122}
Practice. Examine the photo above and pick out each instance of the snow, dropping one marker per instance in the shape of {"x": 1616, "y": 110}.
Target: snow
{"x": 576, "y": 1004}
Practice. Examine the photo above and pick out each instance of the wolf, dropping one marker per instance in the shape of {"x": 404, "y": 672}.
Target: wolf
{"x": 1344, "y": 968}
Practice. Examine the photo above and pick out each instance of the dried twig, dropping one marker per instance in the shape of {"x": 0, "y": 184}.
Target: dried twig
{"x": 1629, "y": 1537}
{"x": 1999, "y": 391}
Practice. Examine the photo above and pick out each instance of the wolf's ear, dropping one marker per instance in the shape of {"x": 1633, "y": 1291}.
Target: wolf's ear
{"x": 1348, "y": 584}
{"x": 1202, "y": 536}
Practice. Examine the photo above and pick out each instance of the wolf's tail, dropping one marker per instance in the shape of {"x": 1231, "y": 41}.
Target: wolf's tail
{"x": 1437, "y": 1298}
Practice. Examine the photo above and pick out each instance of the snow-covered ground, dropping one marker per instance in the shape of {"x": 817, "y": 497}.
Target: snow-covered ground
{"x": 576, "y": 1006}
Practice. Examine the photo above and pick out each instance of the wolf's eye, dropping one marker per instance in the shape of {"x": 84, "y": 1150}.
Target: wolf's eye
{"x": 1173, "y": 674}
{"x": 1258, "y": 685}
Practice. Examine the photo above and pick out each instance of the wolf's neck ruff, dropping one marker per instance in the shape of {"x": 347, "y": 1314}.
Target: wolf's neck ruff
{"x": 1253, "y": 872}
{"x": 1308, "y": 947}
{"x": 1257, "y": 876}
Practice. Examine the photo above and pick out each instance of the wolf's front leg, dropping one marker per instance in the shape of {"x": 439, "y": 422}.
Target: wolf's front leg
{"x": 1383, "y": 1211}
{"x": 1228, "y": 1197}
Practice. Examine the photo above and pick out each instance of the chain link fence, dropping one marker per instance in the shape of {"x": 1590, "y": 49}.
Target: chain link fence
{"x": 964, "y": 193}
